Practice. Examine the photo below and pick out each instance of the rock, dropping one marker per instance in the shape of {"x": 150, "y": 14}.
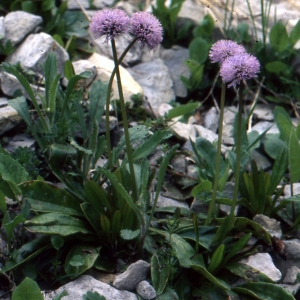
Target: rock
{"x": 74, "y": 4}
{"x": 9, "y": 118}
{"x": 261, "y": 126}
{"x": 163, "y": 109}
{"x": 287, "y": 189}
{"x": 263, "y": 112}
{"x": 261, "y": 160}
{"x": 146, "y": 290}
{"x": 228, "y": 120}
{"x": 263, "y": 263}
{"x": 211, "y": 119}
{"x": 183, "y": 131}
{"x": 174, "y": 59}
{"x": 82, "y": 66}
{"x": 10, "y": 84}
{"x": 209, "y": 135}
{"x": 167, "y": 202}
{"x": 293, "y": 249}
{"x": 155, "y": 79}
{"x": 132, "y": 57}
{"x": 33, "y": 52}
{"x": 135, "y": 273}
{"x": 77, "y": 288}
{"x": 19, "y": 140}
{"x": 192, "y": 10}
{"x": 291, "y": 275}
{"x": 113, "y": 122}
{"x": 105, "y": 67}
{"x": 272, "y": 226}
{"x": 179, "y": 162}
{"x": 18, "y": 24}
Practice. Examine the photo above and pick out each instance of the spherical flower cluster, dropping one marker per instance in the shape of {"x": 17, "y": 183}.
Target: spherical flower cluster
{"x": 239, "y": 67}
{"x": 113, "y": 21}
{"x": 109, "y": 22}
{"x": 224, "y": 49}
{"x": 147, "y": 29}
{"x": 236, "y": 64}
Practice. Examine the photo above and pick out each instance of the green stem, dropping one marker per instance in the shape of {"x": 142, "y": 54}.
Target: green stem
{"x": 108, "y": 94}
{"x": 238, "y": 157}
{"x": 218, "y": 158}
{"x": 125, "y": 122}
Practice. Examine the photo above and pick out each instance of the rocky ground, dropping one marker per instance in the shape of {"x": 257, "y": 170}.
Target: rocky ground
{"x": 156, "y": 75}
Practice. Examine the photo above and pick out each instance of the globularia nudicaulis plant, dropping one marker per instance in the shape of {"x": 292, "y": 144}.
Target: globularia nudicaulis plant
{"x": 102, "y": 214}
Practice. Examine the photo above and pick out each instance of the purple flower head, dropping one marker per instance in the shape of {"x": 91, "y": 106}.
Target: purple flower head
{"x": 223, "y": 49}
{"x": 239, "y": 67}
{"x": 109, "y": 22}
{"x": 147, "y": 29}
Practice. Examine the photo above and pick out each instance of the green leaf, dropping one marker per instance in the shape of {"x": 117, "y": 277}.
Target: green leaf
{"x": 150, "y": 144}
{"x": 79, "y": 148}
{"x": 128, "y": 234}
{"x": 20, "y": 105}
{"x": 57, "y": 241}
{"x": 278, "y": 37}
{"x": 203, "y": 186}
{"x": 97, "y": 196}
{"x": 283, "y": 122}
{"x": 294, "y": 157}
{"x": 264, "y": 291}
{"x": 200, "y": 56}
{"x": 57, "y": 223}
{"x": 216, "y": 281}
{"x": 279, "y": 168}
{"x": 160, "y": 272}
{"x": 81, "y": 258}
{"x": 69, "y": 70}
{"x": 181, "y": 110}
{"x": 273, "y": 145}
{"x": 123, "y": 192}
{"x": 295, "y": 33}
{"x": 216, "y": 259}
{"x": 92, "y": 296}
{"x": 276, "y": 67}
{"x": 61, "y": 295}
{"x": 46, "y": 197}
{"x": 27, "y": 290}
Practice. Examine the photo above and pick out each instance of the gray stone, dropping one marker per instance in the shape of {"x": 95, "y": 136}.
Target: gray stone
{"x": 167, "y": 202}
{"x": 209, "y": 135}
{"x": 113, "y": 122}
{"x": 135, "y": 273}
{"x": 19, "y": 140}
{"x": 105, "y": 67}
{"x": 132, "y": 57}
{"x": 82, "y": 66}
{"x": 263, "y": 112}
{"x": 174, "y": 59}
{"x": 77, "y": 288}
{"x": 155, "y": 79}
{"x": 272, "y": 226}
{"x": 9, "y": 118}
{"x": 211, "y": 119}
{"x": 10, "y": 84}
{"x": 193, "y": 171}
{"x": 228, "y": 120}
{"x": 291, "y": 275}
{"x": 163, "y": 109}
{"x": 260, "y": 127}
{"x": 18, "y": 24}
{"x": 287, "y": 189}
{"x": 146, "y": 290}
{"x": 263, "y": 263}
{"x": 293, "y": 249}
{"x": 33, "y": 52}
{"x": 183, "y": 131}
{"x": 73, "y": 4}
{"x": 179, "y": 162}
{"x": 261, "y": 160}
